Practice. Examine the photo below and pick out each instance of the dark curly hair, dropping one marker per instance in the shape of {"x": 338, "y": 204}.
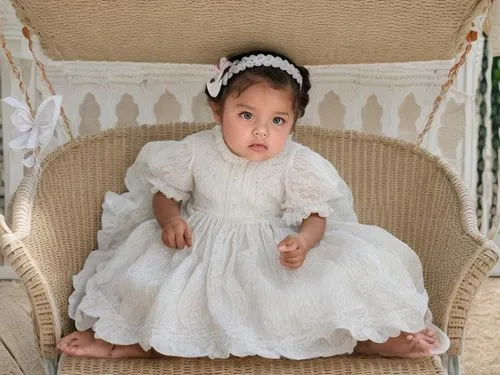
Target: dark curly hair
{"x": 277, "y": 78}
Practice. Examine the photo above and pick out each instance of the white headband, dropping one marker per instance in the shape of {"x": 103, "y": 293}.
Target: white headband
{"x": 237, "y": 66}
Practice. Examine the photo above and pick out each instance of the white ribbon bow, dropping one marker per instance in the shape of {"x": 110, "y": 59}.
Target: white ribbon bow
{"x": 30, "y": 133}
{"x": 215, "y": 83}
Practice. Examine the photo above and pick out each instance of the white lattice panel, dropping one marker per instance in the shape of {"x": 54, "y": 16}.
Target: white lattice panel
{"x": 389, "y": 99}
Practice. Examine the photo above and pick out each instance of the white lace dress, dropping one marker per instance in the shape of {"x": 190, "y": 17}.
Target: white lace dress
{"x": 228, "y": 294}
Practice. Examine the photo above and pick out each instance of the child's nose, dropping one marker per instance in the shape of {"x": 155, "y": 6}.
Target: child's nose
{"x": 261, "y": 130}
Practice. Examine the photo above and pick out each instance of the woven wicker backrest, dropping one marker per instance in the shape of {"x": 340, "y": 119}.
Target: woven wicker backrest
{"x": 396, "y": 186}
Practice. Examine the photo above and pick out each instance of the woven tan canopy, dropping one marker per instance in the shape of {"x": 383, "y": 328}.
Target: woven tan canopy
{"x": 313, "y": 32}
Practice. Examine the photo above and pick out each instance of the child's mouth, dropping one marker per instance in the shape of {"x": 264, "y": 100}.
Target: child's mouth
{"x": 258, "y": 147}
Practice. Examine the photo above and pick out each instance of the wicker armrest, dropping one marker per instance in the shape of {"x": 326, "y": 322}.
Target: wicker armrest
{"x": 22, "y": 204}
{"x": 473, "y": 276}
{"x": 458, "y": 257}
{"x": 45, "y": 316}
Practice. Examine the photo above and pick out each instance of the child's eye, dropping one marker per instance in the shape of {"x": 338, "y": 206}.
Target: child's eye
{"x": 278, "y": 121}
{"x": 246, "y": 115}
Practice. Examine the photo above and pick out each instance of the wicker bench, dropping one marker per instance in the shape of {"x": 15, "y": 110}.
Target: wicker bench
{"x": 56, "y": 213}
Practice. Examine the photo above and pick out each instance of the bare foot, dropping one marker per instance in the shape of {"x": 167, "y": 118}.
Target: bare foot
{"x": 406, "y": 345}
{"x": 84, "y": 344}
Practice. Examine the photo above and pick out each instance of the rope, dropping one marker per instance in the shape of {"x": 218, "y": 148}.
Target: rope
{"x": 22, "y": 87}
{"x": 17, "y": 73}
{"x": 452, "y": 76}
{"x": 41, "y": 66}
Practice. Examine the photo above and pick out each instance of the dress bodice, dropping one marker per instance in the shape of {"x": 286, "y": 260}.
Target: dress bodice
{"x": 230, "y": 186}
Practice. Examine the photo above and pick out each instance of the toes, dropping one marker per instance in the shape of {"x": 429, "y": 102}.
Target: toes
{"x": 74, "y": 344}
{"x": 66, "y": 347}
{"x": 428, "y": 332}
{"x": 417, "y": 345}
{"x": 77, "y": 351}
{"x": 413, "y": 339}
{"x": 429, "y": 340}
{"x": 426, "y": 335}
{"x": 424, "y": 347}
{"x": 72, "y": 350}
{"x": 66, "y": 342}
{"x": 420, "y": 349}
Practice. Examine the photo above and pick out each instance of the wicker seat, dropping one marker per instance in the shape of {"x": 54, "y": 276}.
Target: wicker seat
{"x": 56, "y": 213}
{"x": 342, "y": 365}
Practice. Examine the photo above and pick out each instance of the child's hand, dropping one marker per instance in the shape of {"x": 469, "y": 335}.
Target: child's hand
{"x": 176, "y": 233}
{"x": 293, "y": 251}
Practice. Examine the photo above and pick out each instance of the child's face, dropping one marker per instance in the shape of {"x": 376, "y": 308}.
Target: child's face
{"x": 256, "y": 123}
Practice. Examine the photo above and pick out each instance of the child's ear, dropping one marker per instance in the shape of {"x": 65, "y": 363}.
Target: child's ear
{"x": 216, "y": 112}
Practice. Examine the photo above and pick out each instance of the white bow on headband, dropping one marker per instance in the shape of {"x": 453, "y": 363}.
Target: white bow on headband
{"x": 215, "y": 83}
{"x": 30, "y": 132}
{"x": 227, "y": 69}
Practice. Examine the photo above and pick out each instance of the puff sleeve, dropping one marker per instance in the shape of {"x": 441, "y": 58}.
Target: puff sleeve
{"x": 164, "y": 166}
{"x": 313, "y": 185}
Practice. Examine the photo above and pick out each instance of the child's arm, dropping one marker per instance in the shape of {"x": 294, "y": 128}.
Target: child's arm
{"x": 294, "y": 248}
{"x": 312, "y": 230}
{"x": 165, "y": 208}
{"x": 176, "y": 233}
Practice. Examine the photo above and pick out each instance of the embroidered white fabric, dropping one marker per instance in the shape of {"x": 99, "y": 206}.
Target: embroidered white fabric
{"x": 228, "y": 293}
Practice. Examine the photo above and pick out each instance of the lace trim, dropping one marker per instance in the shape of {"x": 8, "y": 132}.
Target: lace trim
{"x": 227, "y": 154}
{"x": 171, "y": 192}
{"x": 214, "y": 343}
{"x": 296, "y": 216}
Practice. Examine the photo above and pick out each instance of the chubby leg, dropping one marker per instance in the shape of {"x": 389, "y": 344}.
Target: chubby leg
{"x": 406, "y": 345}
{"x": 84, "y": 344}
